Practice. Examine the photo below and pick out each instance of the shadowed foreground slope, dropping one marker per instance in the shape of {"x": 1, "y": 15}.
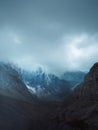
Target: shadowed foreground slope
{"x": 80, "y": 110}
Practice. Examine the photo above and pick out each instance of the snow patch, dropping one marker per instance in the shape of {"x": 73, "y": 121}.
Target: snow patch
{"x": 31, "y": 89}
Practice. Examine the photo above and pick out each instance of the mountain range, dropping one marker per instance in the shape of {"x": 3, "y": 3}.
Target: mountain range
{"x": 49, "y": 86}
{"x": 25, "y": 104}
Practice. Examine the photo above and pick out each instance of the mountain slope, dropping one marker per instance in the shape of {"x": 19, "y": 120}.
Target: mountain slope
{"x": 19, "y": 110}
{"x": 11, "y": 83}
{"x": 81, "y": 109}
{"x": 46, "y": 86}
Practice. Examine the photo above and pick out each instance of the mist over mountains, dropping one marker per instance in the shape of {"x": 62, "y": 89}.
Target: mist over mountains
{"x": 38, "y": 83}
{"x": 26, "y": 107}
{"x": 46, "y": 86}
{"x": 50, "y": 86}
{"x": 38, "y": 100}
{"x": 74, "y": 78}
{"x": 48, "y": 69}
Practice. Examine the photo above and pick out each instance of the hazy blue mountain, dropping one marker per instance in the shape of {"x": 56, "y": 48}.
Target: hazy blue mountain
{"x": 46, "y": 85}
{"x": 74, "y": 77}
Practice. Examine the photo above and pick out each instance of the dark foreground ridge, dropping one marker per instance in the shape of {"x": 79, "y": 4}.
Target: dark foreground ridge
{"x": 81, "y": 109}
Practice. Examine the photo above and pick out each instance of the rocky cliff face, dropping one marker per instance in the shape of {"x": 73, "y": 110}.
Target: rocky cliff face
{"x": 82, "y": 110}
{"x": 89, "y": 87}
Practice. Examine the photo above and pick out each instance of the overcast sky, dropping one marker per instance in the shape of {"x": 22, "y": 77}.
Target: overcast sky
{"x": 59, "y": 35}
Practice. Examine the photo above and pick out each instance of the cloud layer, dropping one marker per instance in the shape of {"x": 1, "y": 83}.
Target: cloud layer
{"x": 58, "y": 35}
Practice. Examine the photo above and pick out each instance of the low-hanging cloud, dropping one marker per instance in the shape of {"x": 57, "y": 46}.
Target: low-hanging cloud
{"x": 69, "y": 53}
{"x": 57, "y": 35}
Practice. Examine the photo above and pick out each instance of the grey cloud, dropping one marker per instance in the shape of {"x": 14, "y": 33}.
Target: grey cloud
{"x": 54, "y": 34}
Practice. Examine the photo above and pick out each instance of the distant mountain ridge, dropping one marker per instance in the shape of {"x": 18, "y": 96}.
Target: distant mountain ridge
{"x": 36, "y": 83}
{"x": 46, "y": 85}
{"x": 74, "y": 78}
{"x": 49, "y": 85}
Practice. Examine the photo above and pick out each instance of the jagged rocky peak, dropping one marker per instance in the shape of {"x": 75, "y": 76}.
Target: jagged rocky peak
{"x": 45, "y": 85}
{"x": 93, "y": 74}
{"x": 81, "y": 109}
{"x": 94, "y": 68}
{"x": 89, "y": 87}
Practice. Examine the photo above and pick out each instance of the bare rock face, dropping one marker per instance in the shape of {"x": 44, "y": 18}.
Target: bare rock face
{"x": 82, "y": 110}
{"x": 88, "y": 89}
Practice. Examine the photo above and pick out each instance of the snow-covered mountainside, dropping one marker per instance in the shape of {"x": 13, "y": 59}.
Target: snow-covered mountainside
{"x": 46, "y": 85}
